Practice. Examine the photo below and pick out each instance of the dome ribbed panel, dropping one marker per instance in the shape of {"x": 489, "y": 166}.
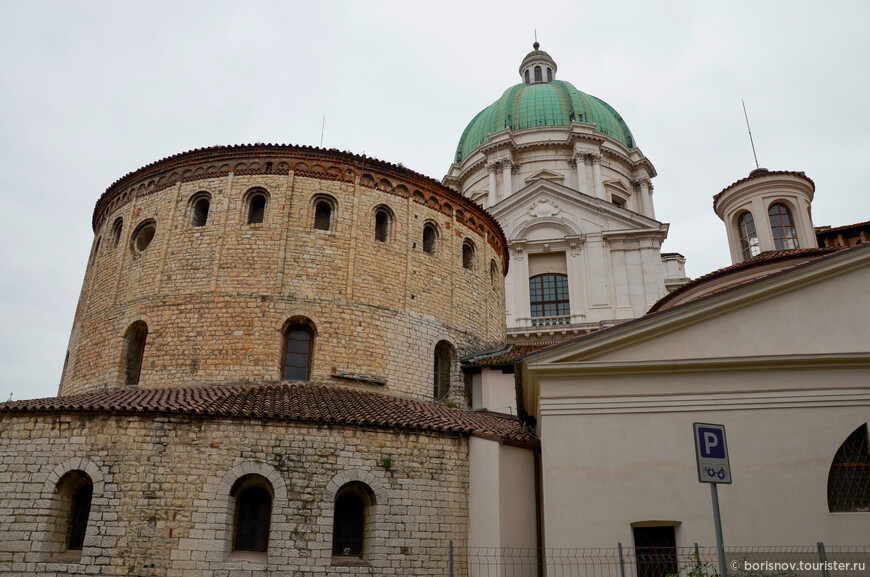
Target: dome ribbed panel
{"x": 526, "y": 106}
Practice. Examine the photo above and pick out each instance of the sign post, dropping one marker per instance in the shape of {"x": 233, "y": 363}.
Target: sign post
{"x": 711, "y": 452}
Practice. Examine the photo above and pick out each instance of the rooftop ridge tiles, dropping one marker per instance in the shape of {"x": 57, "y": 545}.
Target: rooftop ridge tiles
{"x": 275, "y": 401}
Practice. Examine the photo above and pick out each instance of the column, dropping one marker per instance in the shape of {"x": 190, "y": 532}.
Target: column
{"x": 519, "y": 306}
{"x": 596, "y": 176}
{"x": 638, "y": 197}
{"x": 644, "y": 195}
{"x": 580, "y": 161}
{"x": 506, "y": 168}
{"x": 491, "y": 168}
{"x": 648, "y": 200}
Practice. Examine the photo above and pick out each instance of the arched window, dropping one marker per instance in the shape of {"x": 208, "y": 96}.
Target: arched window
{"x": 298, "y": 340}
{"x": 493, "y": 274}
{"x": 256, "y": 208}
{"x": 782, "y": 227}
{"x": 199, "y": 210}
{"x": 849, "y": 477}
{"x": 116, "y": 231}
{"x": 134, "y": 351}
{"x": 549, "y": 74}
{"x": 748, "y": 238}
{"x": 442, "y": 369}
{"x": 468, "y": 255}
{"x": 322, "y": 215}
{"x": 526, "y": 74}
{"x": 383, "y": 224}
{"x": 96, "y": 250}
{"x": 353, "y": 503}
{"x": 252, "y": 513}
{"x": 430, "y": 238}
{"x": 75, "y": 490}
{"x": 548, "y": 296}
{"x": 538, "y": 77}
{"x": 143, "y": 235}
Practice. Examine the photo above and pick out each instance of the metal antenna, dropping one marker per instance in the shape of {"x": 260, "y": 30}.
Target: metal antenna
{"x": 750, "y": 133}
{"x": 536, "y": 34}
{"x": 322, "y": 128}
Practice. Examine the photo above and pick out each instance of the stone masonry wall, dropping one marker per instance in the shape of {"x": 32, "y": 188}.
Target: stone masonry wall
{"x": 216, "y": 298}
{"x": 162, "y": 506}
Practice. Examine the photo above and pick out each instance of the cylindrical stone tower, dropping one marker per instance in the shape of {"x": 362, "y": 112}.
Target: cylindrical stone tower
{"x": 272, "y": 262}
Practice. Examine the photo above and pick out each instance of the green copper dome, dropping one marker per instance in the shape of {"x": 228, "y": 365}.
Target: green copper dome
{"x": 554, "y": 103}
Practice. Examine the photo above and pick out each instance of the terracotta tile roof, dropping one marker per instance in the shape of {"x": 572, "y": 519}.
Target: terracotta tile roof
{"x": 284, "y": 402}
{"x": 757, "y": 260}
{"x": 503, "y": 356}
{"x": 825, "y": 230}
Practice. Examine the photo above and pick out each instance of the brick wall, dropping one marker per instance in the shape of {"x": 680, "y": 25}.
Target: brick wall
{"x": 216, "y": 298}
{"x": 162, "y": 505}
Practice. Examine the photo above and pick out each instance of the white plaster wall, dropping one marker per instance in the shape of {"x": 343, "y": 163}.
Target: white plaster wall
{"x": 501, "y": 495}
{"x": 498, "y": 391}
{"x": 605, "y": 471}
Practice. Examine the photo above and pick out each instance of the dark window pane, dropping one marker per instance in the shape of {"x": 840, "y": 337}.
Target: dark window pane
{"x": 297, "y": 354}
{"x": 429, "y": 238}
{"x": 656, "y": 551}
{"x": 322, "y": 215}
{"x": 382, "y": 225}
{"x": 548, "y": 295}
{"x": 348, "y": 526}
{"x": 254, "y": 508}
{"x": 81, "y": 508}
{"x": 257, "y": 209}
{"x": 849, "y": 477}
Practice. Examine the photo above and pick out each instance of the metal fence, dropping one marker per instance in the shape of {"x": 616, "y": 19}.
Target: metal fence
{"x": 812, "y": 561}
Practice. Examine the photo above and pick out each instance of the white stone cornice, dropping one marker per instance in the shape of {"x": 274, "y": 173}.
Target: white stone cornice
{"x": 716, "y": 401}
{"x": 698, "y": 311}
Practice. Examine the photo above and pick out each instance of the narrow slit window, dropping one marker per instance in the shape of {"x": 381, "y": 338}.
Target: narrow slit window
{"x": 442, "y": 368}
{"x": 134, "y": 341}
{"x": 116, "y": 232}
{"x": 76, "y": 492}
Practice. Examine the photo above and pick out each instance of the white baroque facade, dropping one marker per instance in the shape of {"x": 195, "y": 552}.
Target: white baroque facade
{"x": 561, "y": 172}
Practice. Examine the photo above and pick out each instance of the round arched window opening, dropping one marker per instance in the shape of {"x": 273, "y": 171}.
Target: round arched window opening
{"x": 430, "y": 238}
{"x": 116, "y": 231}
{"x": 257, "y": 208}
{"x": 144, "y": 235}
{"x": 467, "y": 255}
{"x": 199, "y": 210}
{"x": 383, "y": 224}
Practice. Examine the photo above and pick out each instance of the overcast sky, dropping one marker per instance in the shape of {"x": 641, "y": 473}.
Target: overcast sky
{"x": 90, "y": 91}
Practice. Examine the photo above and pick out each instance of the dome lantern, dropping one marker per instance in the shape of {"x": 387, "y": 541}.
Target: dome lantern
{"x": 537, "y": 66}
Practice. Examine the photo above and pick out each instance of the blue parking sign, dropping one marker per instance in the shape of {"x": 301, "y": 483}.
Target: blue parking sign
{"x": 711, "y": 451}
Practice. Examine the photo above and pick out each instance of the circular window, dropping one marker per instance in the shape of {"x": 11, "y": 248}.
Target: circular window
{"x": 144, "y": 235}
